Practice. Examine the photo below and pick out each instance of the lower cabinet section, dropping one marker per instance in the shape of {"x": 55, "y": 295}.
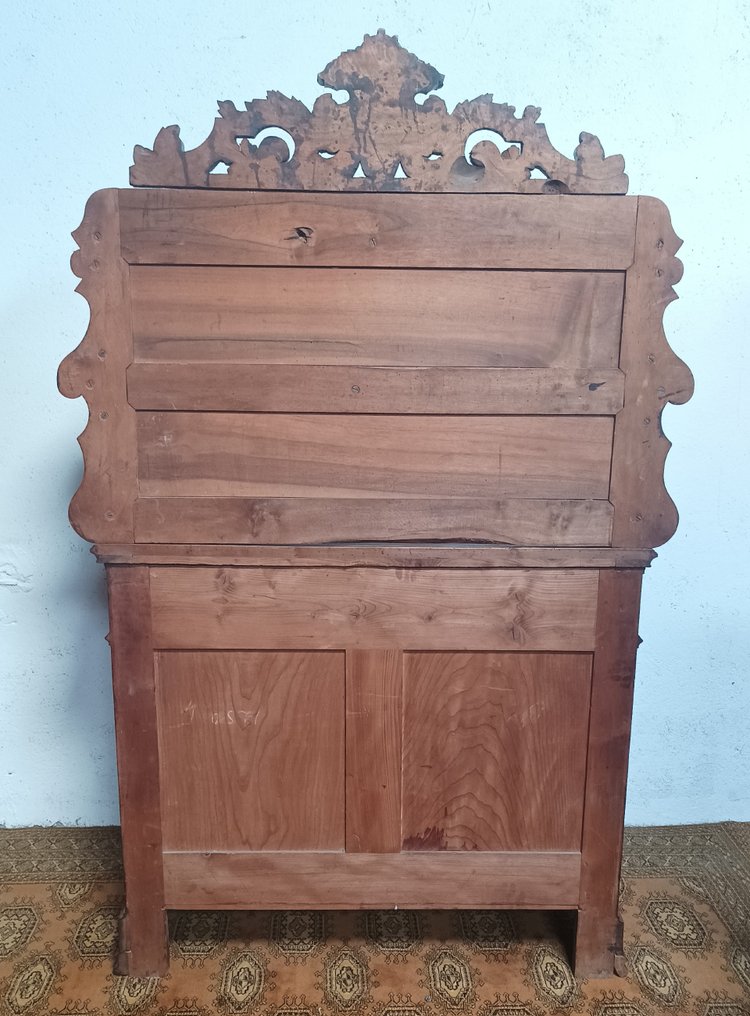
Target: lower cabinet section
{"x": 373, "y": 752}
{"x": 372, "y": 737}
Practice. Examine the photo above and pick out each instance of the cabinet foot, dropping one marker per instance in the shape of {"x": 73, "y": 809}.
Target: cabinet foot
{"x": 598, "y": 948}
{"x": 143, "y": 944}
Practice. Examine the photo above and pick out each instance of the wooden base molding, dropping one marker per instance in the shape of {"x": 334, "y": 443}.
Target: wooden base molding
{"x": 343, "y": 881}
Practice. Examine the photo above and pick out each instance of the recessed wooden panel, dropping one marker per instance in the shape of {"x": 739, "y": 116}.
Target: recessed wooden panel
{"x": 296, "y": 520}
{"x": 494, "y": 750}
{"x": 290, "y": 455}
{"x": 321, "y": 608}
{"x": 377, "y": 317}
{"x": 300, "y": 881}
{"x": 298, "y": 388}
{"x": 376, "y": 230}
{"x": 407, "y": 231}
{"x": 373, "y": 750}
{"x": 251, "y": 750}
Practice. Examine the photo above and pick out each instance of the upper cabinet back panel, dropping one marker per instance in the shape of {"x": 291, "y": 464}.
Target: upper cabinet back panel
{"x": 189, "y": 227}
{"x": 383, "y": 330}
{"x": 378, "y": 317}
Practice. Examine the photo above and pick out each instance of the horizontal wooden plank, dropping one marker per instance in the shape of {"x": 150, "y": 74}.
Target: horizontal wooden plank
{"x": 436, "y": 555}
{"x": 377, "y": 317}
{"x": 192, "y": 227}
{"x": 296, "y": 388}
{"x": 298, "y": 608}
{"x": 293, "y": 455}
{"x": 296, "y": 520}
{"x": 330, "y": 880}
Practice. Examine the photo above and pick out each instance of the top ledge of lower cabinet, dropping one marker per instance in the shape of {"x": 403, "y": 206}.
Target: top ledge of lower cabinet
{"x": 374, "y": 556}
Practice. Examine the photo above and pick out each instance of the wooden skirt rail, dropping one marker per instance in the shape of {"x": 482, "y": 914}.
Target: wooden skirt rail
{"x": 326, "y": 880}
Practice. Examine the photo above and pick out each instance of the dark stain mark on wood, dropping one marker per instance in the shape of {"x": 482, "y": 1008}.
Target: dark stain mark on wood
{"x": 431, "y": 839}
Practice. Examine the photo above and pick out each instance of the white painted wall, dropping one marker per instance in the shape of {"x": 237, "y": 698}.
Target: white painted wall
{"x": 666, "y": 84}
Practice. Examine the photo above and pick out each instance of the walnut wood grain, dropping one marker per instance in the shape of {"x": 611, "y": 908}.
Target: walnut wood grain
{"x": 599, "y": 936}
{"x": 394, "y": 351}
{"x": 298, "y": 608}
{"x": 494, "y": 750}
{"x": 143, "y": 942}
{"x": 311, "y": 520}
{"x": 373, "y": 750}
{"x": 426, "y": 880}
{"x": 645, "y": 515}
{"x": 349, "y": 316}
{"x": 186, "y": 227}
{"x": 102, "y": 508}
{"x": 381, "y": 131}
{"x": 251, "y": 750}
{"x": 446, "y": 556}
{"x": 293, "y": 455}
{"x": 284, "y": 388}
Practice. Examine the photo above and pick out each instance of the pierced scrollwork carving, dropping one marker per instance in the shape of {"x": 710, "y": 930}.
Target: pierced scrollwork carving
{"x": 380, "y": 139}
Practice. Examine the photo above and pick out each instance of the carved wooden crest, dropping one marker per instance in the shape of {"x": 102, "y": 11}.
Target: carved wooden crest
{"x": 380, "y": 139}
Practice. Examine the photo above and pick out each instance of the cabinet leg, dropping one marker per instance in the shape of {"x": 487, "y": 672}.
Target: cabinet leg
{"x": 143, "y": 950}
{"x": 143, "y": 947}
{"x": 599, "y": 935}
{"x": 598, "y": 949}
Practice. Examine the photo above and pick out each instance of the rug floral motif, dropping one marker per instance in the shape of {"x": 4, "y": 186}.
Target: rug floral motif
{"x": 685, "y": 901}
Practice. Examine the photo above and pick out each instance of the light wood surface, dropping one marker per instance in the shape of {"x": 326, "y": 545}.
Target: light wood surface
{"x": 380, "y": 129}
{"x": 358, "y": 317}
{"x": 285, "y": 388}
{"x": 645, "y": 515}
{"x": 298, "y": 608}
{"x": 342, "y": 881}
{"x": 311, "y": 520}
{"x": 251, "y": 750}
{"x": 494, "y": 750}
{"x": 292, "y": 455}
{"x": 190, "y": 227}
{"x": 102, "y": 508}
{"x": 373, "y": 750}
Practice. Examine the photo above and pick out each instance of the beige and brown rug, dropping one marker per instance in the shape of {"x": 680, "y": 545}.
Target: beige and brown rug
{"x": 685, "y": 900}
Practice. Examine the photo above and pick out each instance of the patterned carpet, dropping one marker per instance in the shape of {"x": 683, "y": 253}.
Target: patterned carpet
{"x": 685, "y": 900}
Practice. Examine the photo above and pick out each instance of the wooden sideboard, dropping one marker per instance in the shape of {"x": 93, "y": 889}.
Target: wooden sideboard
{"x": 374, "y": 462}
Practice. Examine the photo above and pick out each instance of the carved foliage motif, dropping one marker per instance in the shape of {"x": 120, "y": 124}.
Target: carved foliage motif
{"x": 380, "y": 139}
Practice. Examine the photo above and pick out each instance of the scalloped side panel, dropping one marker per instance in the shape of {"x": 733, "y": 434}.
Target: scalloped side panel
{"x": 645, "y": 515}
{"x": 102, "y": 507}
